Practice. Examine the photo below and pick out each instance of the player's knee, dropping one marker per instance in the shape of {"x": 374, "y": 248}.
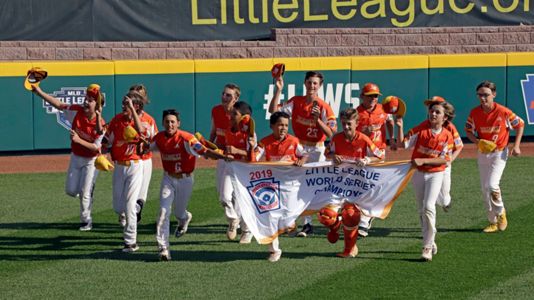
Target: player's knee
{"x": 327, "y": 216}
{"x": 350, "y": 215}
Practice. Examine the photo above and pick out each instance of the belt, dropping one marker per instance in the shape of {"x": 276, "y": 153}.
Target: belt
{"x": 179, "y": 175}
{"x": 306, "y": 143}
{"x": 127, "y": 162}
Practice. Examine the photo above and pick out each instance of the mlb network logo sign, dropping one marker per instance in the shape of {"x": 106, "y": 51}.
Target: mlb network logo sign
{"x": 527, "y": 86}
{"x": 67, "y": 95}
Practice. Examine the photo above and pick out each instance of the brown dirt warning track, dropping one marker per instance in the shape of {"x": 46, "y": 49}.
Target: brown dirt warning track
{"x": 60, "y": 162}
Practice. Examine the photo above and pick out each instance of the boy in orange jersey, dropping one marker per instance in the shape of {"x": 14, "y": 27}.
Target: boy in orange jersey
{"x": 179, "y": 150}
{"x": 86, "y": 136}
{"x": 312, "y": 120}
{"x": 148, "y": 130}
{"x": 432, "y": 146}
{"x": 238, "y": 146}
{"x": 279, "y": 147}
{"x": 444, "y": 199}
{"x": 127, "y": 176}
{"x": 373, "y": 122}
{"x": 354, "y": 147}
{"x": 491, "y": 121}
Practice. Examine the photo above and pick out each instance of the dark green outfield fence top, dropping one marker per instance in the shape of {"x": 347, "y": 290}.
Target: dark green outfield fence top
{"x": 194, "y": 87}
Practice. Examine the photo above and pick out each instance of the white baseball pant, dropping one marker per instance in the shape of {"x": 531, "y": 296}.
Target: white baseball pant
{"x": 175, "y": 193}
{"x": 228, "y": 201}
{"x": 444, "y": 198}
{"x": 81, "y": 177}
{"x": 126, "y": 185}
{"x": 491, "y": 166}
{"x": 427, "y": 187}
{"x": 147, "y": 175}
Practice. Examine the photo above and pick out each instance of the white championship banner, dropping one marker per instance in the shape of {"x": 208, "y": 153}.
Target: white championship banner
{"x": 272, "y": 196}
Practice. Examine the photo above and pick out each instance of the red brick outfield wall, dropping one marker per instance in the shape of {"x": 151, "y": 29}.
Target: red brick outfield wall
{"x": 59, "y": 163}
{"x": 291, "y": 43}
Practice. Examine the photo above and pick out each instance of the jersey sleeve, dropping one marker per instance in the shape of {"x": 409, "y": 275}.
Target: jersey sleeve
{"x": 193, "y": 146}
{"x": 410, "y": 140}
{"x": 457, "y": 140}
{"x": 287, "y": 107}
{"x": 513, "y": 120}
{"x": 470, "y": 124}
{"x": 328, "y": 117}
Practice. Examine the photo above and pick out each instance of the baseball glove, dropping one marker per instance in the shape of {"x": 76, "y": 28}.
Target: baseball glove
{"x": 485, "y": 146}
{"x": 34, "y": 77}
{"x": 103, "y": 164}
{"x": 129, "y": 134}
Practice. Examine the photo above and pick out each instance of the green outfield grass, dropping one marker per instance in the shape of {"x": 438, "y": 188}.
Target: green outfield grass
{"x": 44, "y": 256}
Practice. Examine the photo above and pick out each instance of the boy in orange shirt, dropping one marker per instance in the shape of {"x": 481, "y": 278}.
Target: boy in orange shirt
{"x": 492, "y": 121}
{"x": 355, "y": 147}
{"x": 280, "y": 147}
{"x": 432, "y": 144}
{"x": 238, "y": 146}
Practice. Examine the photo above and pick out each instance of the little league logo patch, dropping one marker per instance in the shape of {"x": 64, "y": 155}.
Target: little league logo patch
{"x": 67, "y": 95}
{"x": 265, "y": 194}
{"x": 527, "y": 86}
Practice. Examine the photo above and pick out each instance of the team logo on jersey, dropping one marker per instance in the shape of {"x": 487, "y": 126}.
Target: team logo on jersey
{"x": 67, "y": 95}
{"x": 527, "y": 87}
{"x": 265, "y": 194}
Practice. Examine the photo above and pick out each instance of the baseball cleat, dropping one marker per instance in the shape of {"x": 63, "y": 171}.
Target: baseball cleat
{"x": 427, "y": 254}
{"x": 434, "y": 249}
{"x": 307, "y": 229}
{"x": 275, "y": 256}
{"x": 246, "y": 237}
{"x": 181, "y": 229}
{"x": 363, "y": 232}
{"x": 349, "y": 254}
{"x": 492, "y": 227}
{"x": 231, "y": 232}
{"x": 164, "y": 255}
{"x": 139, "y": 209}
{"x": 86, "y": 226}
{"x": 130, "y": 248}
{"x": 502, "y": 222}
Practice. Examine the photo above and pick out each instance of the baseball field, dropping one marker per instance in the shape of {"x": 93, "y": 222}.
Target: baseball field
{"x": 44, "y": 256}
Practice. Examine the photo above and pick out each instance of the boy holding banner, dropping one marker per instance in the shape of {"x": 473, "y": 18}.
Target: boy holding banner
{"x": 354, "y": 147}
{"x": 312, "y": 120}
{"x": 239, "y": 144}
{"x": 280, "y": 147}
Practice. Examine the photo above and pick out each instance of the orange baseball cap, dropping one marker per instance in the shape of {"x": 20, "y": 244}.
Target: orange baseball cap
{"x": 370, "y": 89}
{"x": 434, "y": 99}
{"x": 394, "y": 105}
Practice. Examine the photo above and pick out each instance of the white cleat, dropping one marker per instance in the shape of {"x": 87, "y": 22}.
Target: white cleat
{"x": 181, "y": 229}
{"x": 246, "y": 237}
{"x": 164, "y": 255}
{"x": 275, "y": 256}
